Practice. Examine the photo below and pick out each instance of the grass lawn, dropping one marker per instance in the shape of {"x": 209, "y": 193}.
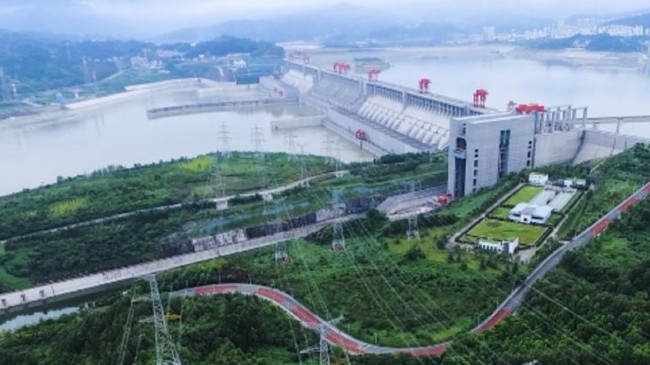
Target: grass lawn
{"x": 490, "y": 228}
{"x": 523, "y": 195}
{"x": 500, "y": 213}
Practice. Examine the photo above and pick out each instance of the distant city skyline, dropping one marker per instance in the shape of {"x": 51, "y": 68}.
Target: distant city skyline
{"x": 150, "y": 17}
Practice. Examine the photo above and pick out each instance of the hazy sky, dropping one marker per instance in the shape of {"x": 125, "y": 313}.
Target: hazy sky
{"x": 152, "y": 16}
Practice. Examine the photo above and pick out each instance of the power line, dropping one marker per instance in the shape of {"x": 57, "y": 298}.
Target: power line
{"x": 290, "y": 143}
{"x": 338, "y": 238}
{"x": 223, "y": 134}
{"x": 166, "y": 352}
{"x": 413, "y": 229}
{"x": 258, "y": 140}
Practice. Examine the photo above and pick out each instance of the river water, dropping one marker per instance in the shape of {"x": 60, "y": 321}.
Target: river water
{"x": 119, "y": 133}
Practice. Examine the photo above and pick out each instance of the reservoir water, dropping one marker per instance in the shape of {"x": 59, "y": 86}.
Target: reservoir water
{"x": 119, "y": 133}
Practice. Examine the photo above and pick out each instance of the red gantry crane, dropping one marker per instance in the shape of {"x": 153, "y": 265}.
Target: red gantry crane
{"x": 530, "y": 108}
{"x": 424, "y": 85}
{"x": 341, "y": 67}
{"x": 373, "y": 74}
{"x": 480, "y": 96}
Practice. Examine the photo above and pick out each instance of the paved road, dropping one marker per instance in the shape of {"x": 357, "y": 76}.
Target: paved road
{"x": 66, "y": 288}
{"x": 162, "y": 208}
{"x": 357, "y": 347}
{"x": 293, "y": 307}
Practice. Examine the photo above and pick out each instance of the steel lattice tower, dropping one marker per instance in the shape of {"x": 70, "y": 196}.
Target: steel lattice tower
{"x": 338, "y": 238}
{"x": 126, "y": 335}
{"x": 258, "y": 139}
{"x": 166, "y": 352}
{"x": 413, "y": 229}
{"x": 224, "y": 136}
{"x": 290, "y": 142}
{"x": 323, "y": 346}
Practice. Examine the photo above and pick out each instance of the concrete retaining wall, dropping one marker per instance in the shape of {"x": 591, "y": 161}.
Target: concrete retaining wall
{"x": 311, "y": 121}
{"x": 212, "y": 107}
{"x": 597, "y": 144}
{"x": 555, "y": 148}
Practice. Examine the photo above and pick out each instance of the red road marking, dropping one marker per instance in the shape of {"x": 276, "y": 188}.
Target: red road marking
{"x": 215, "y": 289}
{"x": 348, "y": 345}
{"x": 493, "y": 321}
{"x": 628, "y": 203}
{"x": 270, "y": 294}
{"x": 647, "y": 188}
{"x": 600, "y": 226}
{"x": 304, "y": 316}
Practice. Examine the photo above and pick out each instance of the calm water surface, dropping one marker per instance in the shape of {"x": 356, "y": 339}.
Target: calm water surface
{"x": 120, "y": 133}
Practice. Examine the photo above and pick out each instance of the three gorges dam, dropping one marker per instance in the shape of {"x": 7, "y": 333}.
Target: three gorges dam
{"x": 384, "y": 118}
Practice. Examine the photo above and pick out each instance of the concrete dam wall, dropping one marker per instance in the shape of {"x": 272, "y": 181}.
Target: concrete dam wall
{"x": 598, "y": 144}
{"x": 388, "y": 114}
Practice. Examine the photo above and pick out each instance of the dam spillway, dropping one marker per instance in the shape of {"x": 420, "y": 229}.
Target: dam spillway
{"x": 397, "y": 119}
{"x": 394, "y": 119}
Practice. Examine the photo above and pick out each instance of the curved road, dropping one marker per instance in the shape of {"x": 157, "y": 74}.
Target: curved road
{"x": 357, "y": 347}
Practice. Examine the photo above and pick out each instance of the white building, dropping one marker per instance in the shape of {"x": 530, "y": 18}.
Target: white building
{"x": 530, "y": 213}
{"x": 504, "y": 246}
{"x": 537, "y": 179}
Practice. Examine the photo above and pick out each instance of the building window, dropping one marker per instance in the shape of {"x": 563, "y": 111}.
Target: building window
{"x": 475, "y": 163}
{"x": 475, "y": 172}
{"x": 474, "y": 182}
{"x": 529, "y": 154}
{"x": 528, "y": 163}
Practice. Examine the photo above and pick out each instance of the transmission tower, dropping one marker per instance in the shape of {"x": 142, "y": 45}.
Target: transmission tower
{"x": 338, "y": 239}
{"x": 281, "y": 255}
{"x": 323, "y": 347}
{"x": 337, "y": 162}
{"x": 290, "y": 142}
{"x": 329, "y": 143}
{"x": 258, "y": 139}
{"x": 126, "y": 334}
{"x": 224, "y": 136}
{"x": 166, "y": 352}
{"x": 413, "y": 229}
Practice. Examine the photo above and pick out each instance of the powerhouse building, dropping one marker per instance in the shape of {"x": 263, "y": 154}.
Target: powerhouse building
{"x": 485, "y": 148}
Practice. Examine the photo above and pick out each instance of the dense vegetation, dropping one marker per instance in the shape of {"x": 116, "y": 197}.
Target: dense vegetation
{"x": 390, "y": 290}
{"x": 40, "y": 63}
{"x": 155, "y": 234}
{"x": 116, "y": 190}
{"x": 212, "y": 330}
{"x": 615, "y": 179}
{"x": 595, "y": 309}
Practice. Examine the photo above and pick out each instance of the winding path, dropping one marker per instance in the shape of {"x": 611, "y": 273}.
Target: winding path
{"x": 357, "y": 347}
